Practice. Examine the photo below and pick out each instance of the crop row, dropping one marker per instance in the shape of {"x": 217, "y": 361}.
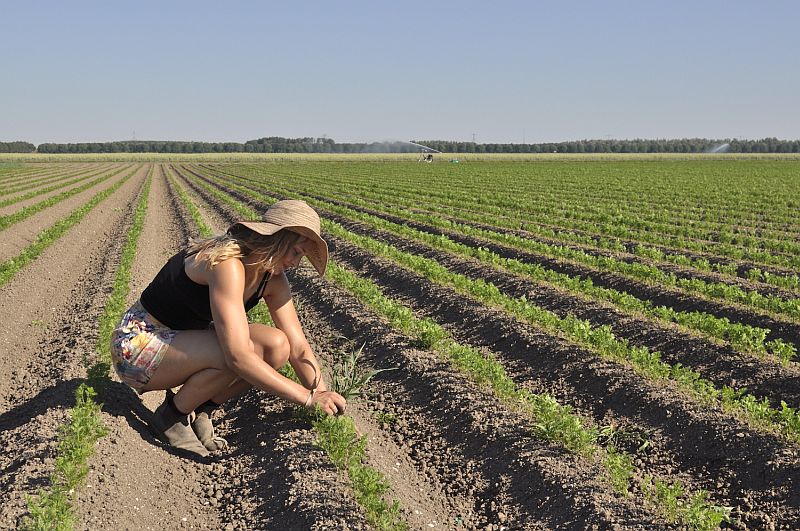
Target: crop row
{"x": 55, "y": 176}
{"x": 13, "y": 177}
{"x": 62, "y": 183}
{"x": 28, "y": 211}
{"x": 46, "y": 238}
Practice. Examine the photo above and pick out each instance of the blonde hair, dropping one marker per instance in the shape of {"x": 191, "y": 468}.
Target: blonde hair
{"x": 241, "y": 242}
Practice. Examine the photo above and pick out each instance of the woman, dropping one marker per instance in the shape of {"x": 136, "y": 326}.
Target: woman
{"x": 190, "y": 329}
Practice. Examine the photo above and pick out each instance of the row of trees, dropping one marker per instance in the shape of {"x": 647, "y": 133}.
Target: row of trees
{"x": 639, "y": 145}
{"x": 143, "y": 146}
{"x": 262, "y": 145}
{"x": 17, "y": 147}
{"x": 276, "y": 144}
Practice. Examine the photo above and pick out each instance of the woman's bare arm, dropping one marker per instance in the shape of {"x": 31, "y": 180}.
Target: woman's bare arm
{"x": 278, "y": 297}
{"x": 226, "y": 287}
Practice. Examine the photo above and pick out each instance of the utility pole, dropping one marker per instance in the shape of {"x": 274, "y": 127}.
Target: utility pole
{"x": 473, "y": 138}
{"x": 523, "y": 135}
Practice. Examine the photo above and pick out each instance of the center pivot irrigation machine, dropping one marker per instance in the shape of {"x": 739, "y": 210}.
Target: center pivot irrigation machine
{"x": 425, "y": 153}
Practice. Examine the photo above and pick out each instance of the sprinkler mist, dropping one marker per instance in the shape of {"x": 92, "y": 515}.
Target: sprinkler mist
{"x": 423, "y": 147}
{"x": 719, "y": 148}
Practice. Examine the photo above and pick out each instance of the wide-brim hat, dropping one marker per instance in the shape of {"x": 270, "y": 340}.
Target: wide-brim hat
{"x": 296, "y": 216}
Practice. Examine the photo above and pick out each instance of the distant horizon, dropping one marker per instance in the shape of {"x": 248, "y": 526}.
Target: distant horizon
{"x": 390, "y": 141}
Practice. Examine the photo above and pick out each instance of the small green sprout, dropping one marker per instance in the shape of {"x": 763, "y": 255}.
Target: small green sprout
{"x": 388, "y": 418}
{"x": 348, "y": 378}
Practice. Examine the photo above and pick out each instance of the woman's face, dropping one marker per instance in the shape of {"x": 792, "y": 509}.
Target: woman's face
{"x": 293, "y": 256}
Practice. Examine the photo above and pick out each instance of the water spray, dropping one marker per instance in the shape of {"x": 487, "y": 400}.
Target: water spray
{"x": 424, "y": 147}
{"x": 719, "y": 148}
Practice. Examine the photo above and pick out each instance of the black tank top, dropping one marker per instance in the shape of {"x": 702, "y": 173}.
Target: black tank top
{"x": 181, "y": 303}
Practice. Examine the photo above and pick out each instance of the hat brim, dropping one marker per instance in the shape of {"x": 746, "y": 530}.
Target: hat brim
{"x": 318, "y": 256}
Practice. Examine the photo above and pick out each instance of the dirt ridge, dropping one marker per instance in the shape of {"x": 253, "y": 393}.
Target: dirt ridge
{"x": 39, "y": 380}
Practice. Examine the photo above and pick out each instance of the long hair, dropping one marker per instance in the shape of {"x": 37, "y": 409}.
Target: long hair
{"x": 241, "y": 242}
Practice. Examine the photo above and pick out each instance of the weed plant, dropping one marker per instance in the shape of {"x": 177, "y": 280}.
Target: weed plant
{"x": 348, "y": 374}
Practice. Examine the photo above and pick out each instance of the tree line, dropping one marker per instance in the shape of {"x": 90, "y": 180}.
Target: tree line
{"x": 17, "y": 147}
{"x": 639, "y": 145}
{"x": 276, "y": 144}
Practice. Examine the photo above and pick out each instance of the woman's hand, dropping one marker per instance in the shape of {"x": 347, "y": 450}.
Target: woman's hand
{"x": 330, "y": 402}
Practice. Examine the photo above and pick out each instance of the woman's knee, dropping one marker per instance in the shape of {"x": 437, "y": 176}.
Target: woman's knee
{"x": 273, "y": 343}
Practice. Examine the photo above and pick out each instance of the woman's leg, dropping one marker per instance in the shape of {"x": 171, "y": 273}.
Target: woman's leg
{"x": 272, "y": 345}
{"x": 195, "y": 361}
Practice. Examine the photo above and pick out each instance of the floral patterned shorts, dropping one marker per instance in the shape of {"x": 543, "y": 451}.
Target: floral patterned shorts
{"x": 138, "y": 345}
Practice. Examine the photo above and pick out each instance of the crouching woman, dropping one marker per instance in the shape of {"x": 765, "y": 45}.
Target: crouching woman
{"x": 190, "y": 328}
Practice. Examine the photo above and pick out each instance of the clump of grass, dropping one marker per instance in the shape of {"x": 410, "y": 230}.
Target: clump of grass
{"x": 387, "y": 418}
{"x": 348, "y": 376}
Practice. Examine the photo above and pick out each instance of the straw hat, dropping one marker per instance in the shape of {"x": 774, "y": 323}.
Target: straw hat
{"x": 296, "y": 216}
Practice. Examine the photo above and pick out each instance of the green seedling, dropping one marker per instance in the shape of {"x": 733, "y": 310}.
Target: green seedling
{"x": 616, "y": 436}
{"x": 388, "y": 418}
{"x": 348, "y": 377}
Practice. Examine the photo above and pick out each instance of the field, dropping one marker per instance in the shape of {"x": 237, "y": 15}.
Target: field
{"x": 605, "y": 343}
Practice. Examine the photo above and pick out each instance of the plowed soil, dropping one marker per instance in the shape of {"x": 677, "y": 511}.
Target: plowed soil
{"x": 455, "y": 456}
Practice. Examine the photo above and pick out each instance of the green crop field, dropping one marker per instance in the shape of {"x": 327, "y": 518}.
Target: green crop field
{"x": 598, "y": 339}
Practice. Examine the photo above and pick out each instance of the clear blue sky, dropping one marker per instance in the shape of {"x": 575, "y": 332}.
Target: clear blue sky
{"x": 381, "y": 70}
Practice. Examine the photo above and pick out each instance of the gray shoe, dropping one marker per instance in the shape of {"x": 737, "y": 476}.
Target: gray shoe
{"x": 205, "y": 432}
{"x": 176, "y": 430}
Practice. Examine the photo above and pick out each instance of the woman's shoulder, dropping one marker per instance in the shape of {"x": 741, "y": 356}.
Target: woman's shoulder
{"x": 228, "y": 269}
